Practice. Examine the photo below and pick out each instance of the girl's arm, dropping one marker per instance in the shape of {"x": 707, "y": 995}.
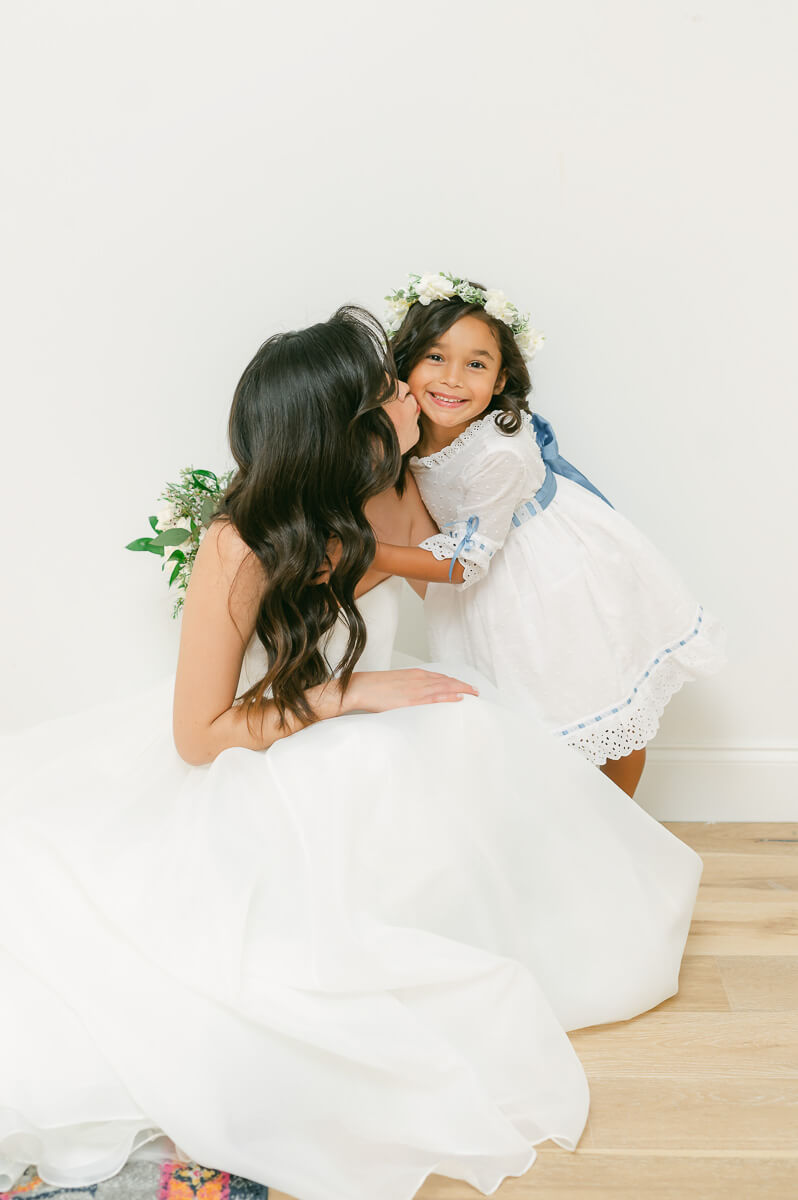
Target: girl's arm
{"x": 222, "y": 602}
{"x": 497, "y": 483}
{"x": 419, "y": 567}
{"x": 411, "y": 562}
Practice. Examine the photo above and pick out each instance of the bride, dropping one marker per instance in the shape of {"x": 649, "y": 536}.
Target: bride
{"x": 331, "y": 955}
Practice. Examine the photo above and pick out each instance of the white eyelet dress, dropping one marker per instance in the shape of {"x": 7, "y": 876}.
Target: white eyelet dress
{"x": 564, "y": 602}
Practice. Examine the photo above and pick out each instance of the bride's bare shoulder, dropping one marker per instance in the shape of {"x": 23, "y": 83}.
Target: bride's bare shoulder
{"x": 225, "y": 565}
{"x": 224, "y": 545}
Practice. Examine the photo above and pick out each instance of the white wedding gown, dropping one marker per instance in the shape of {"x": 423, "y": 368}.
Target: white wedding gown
{"x": 334, "y": 967}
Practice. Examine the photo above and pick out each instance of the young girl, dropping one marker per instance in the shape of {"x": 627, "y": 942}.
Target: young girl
{"x": 556, "y": 596}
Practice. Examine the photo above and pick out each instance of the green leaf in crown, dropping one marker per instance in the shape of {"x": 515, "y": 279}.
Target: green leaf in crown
{"x": 180, "y": 526}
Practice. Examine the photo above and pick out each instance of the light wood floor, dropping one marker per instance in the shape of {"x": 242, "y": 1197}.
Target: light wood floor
{"x": 698, "y": 1099}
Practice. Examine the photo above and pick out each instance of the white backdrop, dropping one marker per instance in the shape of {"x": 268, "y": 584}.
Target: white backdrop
{"x": 180, "y": 179}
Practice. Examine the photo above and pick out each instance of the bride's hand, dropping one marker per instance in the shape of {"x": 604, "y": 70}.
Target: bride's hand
{"x": 379, "y": 691}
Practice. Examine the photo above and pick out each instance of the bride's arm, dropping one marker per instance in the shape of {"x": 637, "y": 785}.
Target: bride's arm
{"x": 219, "y": 615}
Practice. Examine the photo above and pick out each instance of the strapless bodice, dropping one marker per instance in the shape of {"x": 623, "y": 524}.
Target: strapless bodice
{"x": 379, "y": 609}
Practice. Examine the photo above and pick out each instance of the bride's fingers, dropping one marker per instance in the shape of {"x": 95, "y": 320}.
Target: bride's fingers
{"x": 448, "y": 681}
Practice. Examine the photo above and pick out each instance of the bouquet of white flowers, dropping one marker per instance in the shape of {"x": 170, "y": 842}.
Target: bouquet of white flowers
{"x": 179, "y": 528}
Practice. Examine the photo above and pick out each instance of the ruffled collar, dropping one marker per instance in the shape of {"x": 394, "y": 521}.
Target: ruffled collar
{"x": 462, "y": 439}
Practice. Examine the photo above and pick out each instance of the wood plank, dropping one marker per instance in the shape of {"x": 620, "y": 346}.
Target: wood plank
{"x": 757, "y": 983}
{"x": 736, "y": 837}
{"x": 764, "y": 894}
{"x": 598, "y": 1175}
{"x": 725, "y": 942}
{"x": 709, "y": 1045}
{"x": 762, "y": 872}
{"x": 700, "y": 988}
{"x": 695, "y": 1114}
{"x": 729, "y": 928}
{"x": 781, "y": 917}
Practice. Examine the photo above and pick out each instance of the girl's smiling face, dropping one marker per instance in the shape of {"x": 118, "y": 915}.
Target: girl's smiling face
{"x": 457, "y": 377}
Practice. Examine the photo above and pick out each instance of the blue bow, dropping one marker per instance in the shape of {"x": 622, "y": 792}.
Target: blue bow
{"x": 466, "y": 542}
{"x": 547, "y": 441}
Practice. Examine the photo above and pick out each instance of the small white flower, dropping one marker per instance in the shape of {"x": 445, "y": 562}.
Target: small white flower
{"x": 529, "y": 342}
{"x": 168, "y": 517}
{"x": 395, "y": 312}
{"x": 434, "y": 287}
{"x": 498, "y": 306}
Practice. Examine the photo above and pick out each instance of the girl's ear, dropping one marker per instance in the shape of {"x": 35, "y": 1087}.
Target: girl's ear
{"x": 500, "y": 382}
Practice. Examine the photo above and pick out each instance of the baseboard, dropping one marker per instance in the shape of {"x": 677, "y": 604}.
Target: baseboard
{"x": 682, "y": 783}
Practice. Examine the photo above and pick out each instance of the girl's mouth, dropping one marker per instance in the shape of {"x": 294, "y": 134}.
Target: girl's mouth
{"x": 446, "y": 401}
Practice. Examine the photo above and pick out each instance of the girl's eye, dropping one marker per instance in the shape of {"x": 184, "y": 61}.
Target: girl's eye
{"x": 477, "y": 363}
{"x": 437, "y": 357}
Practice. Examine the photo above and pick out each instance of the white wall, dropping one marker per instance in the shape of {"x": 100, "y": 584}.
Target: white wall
{"x": 180, "y": 179}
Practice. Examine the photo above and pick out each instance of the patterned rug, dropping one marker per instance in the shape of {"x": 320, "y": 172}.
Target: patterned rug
{"x": 147, "y": 1181}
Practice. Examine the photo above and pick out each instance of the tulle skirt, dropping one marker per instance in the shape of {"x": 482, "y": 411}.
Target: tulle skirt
{"x": 334, "y": 967}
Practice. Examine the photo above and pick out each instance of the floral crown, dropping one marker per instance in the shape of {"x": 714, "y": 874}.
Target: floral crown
{"x": 423, "y": 289}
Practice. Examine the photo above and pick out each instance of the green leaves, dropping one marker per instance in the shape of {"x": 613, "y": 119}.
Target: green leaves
{"x": 192, "y": 503}
{"x": 145, "y": 543}
{"x": 207, "y": 510}
{"x": 171, "y": 537}
{"x": 206, "y": 480}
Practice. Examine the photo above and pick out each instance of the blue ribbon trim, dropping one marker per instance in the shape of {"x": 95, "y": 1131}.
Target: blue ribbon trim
{"x": 541, "y": 499}
{"x": 622, "y": 704}
{"x": 466, "y": 542}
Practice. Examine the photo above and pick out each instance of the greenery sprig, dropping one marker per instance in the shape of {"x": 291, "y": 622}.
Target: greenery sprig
{"x": 178, "y": 529}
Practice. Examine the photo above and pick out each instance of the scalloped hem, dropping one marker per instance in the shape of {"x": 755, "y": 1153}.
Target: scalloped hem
{"x": 634, "y": 721}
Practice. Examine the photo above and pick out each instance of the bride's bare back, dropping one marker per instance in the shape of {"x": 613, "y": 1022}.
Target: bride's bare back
{"x": 219, "y": 616}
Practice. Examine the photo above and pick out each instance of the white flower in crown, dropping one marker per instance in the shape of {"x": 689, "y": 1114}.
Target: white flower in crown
{"x": 434, "y": 287}
{"x": 497, "y": 305}
{"x": 529, "y": 342}
{"x": 423, "y": 289}
{"x": 395, "y": 312}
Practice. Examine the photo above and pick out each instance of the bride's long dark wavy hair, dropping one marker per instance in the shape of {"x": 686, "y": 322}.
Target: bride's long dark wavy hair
{"x": 312, "y": 443}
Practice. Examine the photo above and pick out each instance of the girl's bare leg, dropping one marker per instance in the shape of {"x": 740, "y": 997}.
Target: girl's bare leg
{"x": 625, "y": 772}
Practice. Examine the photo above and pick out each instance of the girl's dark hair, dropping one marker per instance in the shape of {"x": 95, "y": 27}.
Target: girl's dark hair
{"x": 422, "y": 328}
{"x": 312, "y": 444}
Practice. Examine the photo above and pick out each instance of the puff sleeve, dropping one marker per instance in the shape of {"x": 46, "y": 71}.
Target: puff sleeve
{"x": 497, "y": 484}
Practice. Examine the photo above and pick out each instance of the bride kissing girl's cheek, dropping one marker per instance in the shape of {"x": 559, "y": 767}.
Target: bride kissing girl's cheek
{"x": 331, "y": 935}
{"x": 318, "y": 456}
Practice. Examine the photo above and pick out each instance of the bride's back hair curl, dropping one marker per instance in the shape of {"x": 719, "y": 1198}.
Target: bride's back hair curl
{"x": 312, "y": 443}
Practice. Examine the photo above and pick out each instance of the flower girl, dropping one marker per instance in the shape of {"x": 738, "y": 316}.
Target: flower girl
{"x": 557, "y": 598}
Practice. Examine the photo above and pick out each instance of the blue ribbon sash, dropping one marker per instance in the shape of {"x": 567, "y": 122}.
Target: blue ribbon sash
{"x": 547, "y": 441}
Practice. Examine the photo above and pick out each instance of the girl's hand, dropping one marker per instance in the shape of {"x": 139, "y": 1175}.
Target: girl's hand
{"x": 380, "y": 691}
